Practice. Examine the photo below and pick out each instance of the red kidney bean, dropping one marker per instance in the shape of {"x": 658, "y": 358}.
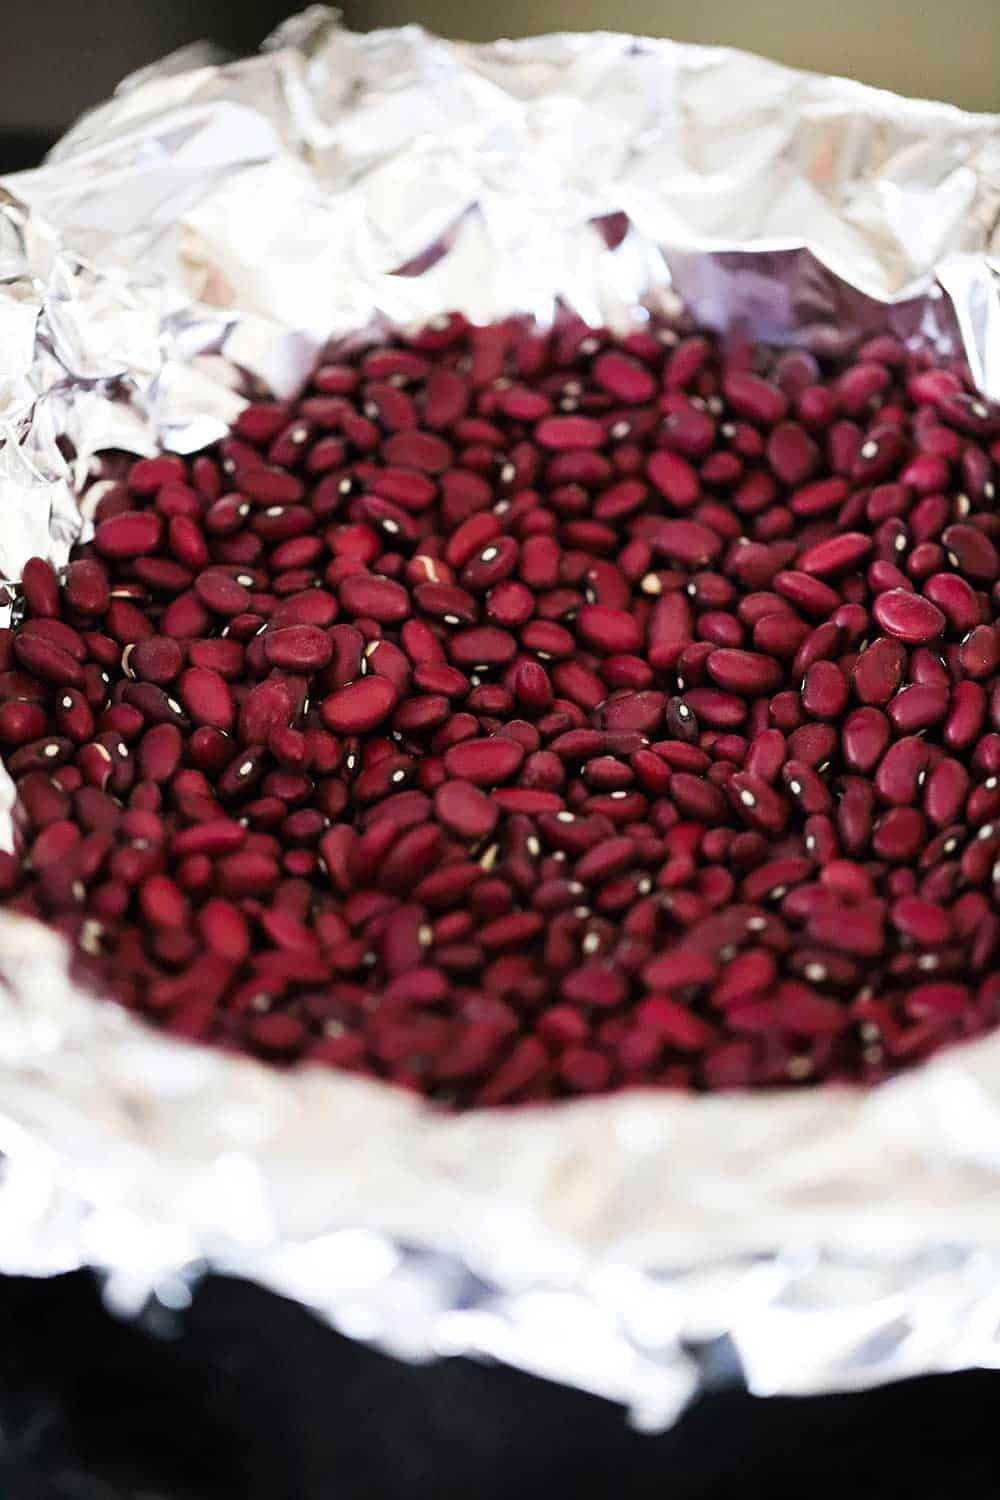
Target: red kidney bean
{"x": 298, "y": 648}
{"x": 624, "y": 378}
{"x": 21, "y": 721}
{"x": 899, "y": 834}
{"x": 484, "y": 762}
{"x": 865, "y": 737}
{"x": 838, "y": 554}
{"x": 809, "y": 595}
{"x": 45, "y": 660}
{"x": 813, "y": 743}
{"x": 792, "y": 454}
{"x": 675, "y": 478}
{"x": 160, "y": 753}
{"x": 945, "y": 791}
{"x": 901, "y": 770}
{"x": 928, "y": 669}
{"x": 806, "y": 787}
{"x": 55, "y": 633}
{"x": 207, "y": 697}
{"x": 825, "y": 691}
{"x": 163, "y": 903}
{"x": 465, "y": 810}
{"x": 917, "y": 707}
{"x": 747, "y": 673}
{"x": 221, "y": 593}
{"x": 158, "y": 660}
{"x": 134, "y": 533}
{"x": 970, "y": 550}
{"x": 956, "y": 598}
{"x": 246, "y": 874}
{"x": 979, "y": 652}
{"x": 878, "y": 671}
{"x": 965, "y": 717}
{"x": 360, "y": 706}
{"x": 670, "y": 630}
{"x": 908, "y": 617}
{"x": 127, "y": 624}
{"x": 481, "y": 646}
{"x": 753, "y": 398}
{"x": 569, "y": 432}
{"x": 688, "y": 543}
{"x": 87, "y": 588}
{"x": 757, "y": 802}
{"x": 369, "y": 597}
{"x": 40, "y": 587}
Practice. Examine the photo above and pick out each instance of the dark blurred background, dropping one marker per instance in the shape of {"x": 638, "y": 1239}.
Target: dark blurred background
{"x": 59, "y": 56}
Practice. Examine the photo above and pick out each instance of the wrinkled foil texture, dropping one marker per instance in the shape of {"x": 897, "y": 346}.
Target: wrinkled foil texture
{"x": 208, "y": 230}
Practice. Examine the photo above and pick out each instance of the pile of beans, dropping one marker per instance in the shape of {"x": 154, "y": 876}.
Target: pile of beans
{"x": 520, "y": 714}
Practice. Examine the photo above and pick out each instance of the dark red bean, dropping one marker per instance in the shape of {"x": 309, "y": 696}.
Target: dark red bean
{"x": 40, "y": 587}
{"x": 374, "y": 598}
{"x": 979, "y": 652}
{"x": 48, "y": 661}
{"x": 900, "y": 771}
{"x": 207, "y": 697}
{"x": 158, "y": 660}
{"x": 908, "y": 617}
{"x": 825, "y": 691}
{"x": 955, "y": 597}
{"x": 484, "y": 762}
{"x": 63, "y": 636}
{"x": 966, "y": 715}
{"x": 747, "y": 673}
{"x": 569, "y": 432}
{"x": 134, "y": 533}
{"x": 360, "y": 706}
{"x": 866, "y": 735}
{"x": 163, "y": 903}
{"x": 246, "y": 874}
{"x": 753, "y": 398}
{"x": 298, "y": 648}
{"x": 878, "y": 671}
{"x": 221, "y": 592}
{"x": 465, "y": 810}
{"x": 21, "y": 721}
{"x": 945, "y": 791}
{"x": 917, "y": 707}
{"x": 160, "y": 753}
{"x": 686, "y": 542}
{"x": 608, "y": 630}
{"x": 970, "y": 550}
{"x": 838, "y": 554}
{"x": 87, "y": 587}
{"x": 792, "y": 454}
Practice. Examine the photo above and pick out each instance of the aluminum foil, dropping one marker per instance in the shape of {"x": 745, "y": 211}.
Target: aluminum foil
{"x": 208, "y": 230}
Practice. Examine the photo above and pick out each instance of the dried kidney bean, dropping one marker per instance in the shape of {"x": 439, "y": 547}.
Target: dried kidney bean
{"x": 537, "y": 713}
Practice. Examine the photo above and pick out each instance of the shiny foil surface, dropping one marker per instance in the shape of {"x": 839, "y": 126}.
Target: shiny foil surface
{"x": 204, "y": 233}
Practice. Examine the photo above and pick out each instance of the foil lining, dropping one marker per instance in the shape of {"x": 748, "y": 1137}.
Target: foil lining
{"x": 207, "y": 230}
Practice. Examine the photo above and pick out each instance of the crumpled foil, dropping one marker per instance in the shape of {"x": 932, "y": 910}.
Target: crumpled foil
{"x": 209, "y": 229}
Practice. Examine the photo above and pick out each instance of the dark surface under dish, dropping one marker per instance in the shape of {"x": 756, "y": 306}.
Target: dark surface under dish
{"x": 249, "y": 1396}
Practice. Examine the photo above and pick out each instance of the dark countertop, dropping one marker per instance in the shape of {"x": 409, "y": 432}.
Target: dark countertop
{"x": 249, "y": 1396}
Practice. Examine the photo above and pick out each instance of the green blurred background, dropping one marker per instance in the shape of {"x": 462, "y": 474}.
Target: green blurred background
{"x": 59, "y": 56}
{"x": 942, "y": 49}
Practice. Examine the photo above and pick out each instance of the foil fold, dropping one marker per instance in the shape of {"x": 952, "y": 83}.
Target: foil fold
{"x": 204, "y": 234}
